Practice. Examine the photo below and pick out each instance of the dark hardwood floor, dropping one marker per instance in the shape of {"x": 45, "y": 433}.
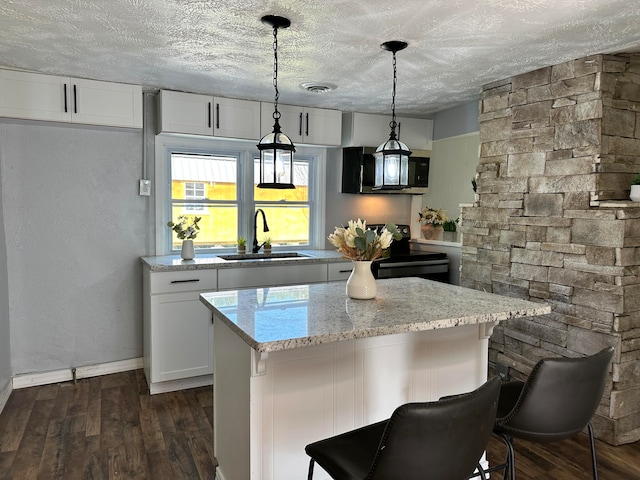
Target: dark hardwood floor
{"x": 568, "y": 460}
{"x": 109, "y": 427}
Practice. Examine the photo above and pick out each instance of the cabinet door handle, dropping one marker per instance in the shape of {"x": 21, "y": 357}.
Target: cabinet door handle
{"x": 75, "y": 100}
{"x": 64, "y": 89}
{"x": 300, "y": 125}
{"x": 209, "y": 114}
{"x": 217, "y": 115}
{"x": 345, "y": 271}
{"x": 186, "y": 281}
{"x": 307, "y": 132}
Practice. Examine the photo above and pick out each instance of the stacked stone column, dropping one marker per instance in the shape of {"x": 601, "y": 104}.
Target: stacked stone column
{"x": 552, "y": 223}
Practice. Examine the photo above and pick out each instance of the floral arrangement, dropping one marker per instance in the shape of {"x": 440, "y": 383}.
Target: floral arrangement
{"x": 432, "y": 216}
{"x": 357, "y": 242}
{"x": 186, "y": 228}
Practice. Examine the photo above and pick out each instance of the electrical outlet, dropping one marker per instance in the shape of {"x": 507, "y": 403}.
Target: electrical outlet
{"x": 145, "y": 187}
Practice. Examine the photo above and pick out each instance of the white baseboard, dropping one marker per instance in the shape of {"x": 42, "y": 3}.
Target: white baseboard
{"x": 182, "y": 384}
{"x": 57, "y": 376}
{"x": 4, "y": 395}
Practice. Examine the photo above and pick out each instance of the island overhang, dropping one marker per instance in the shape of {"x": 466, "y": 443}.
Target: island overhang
{"x": 281, "y": 318}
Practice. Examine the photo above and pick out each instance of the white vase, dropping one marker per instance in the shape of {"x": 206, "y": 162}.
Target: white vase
{"x": 187, "y": 252}
{"x": 361, "y": 284}
{"x": 634, "y": 195}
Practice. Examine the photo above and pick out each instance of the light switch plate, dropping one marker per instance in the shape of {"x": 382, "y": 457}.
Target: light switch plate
{"x": 145, "y": 187}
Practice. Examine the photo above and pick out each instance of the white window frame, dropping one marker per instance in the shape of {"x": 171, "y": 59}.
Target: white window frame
{"x": 165, "y": 144}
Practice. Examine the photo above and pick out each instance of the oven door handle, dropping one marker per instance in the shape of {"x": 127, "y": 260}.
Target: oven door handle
{"x": 420, "y": 263}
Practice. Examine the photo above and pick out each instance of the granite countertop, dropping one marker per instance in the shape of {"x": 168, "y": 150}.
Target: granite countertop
{"x": 280, "y": 318}
{"x": 171, "y": 263}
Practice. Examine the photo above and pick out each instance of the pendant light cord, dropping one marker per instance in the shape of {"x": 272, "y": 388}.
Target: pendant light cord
{"x": 276, "y": 113}
{"x": 393, "y": 123}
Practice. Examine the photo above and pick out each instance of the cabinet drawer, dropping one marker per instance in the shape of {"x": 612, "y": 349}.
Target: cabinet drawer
{"x": 272, "y": 276}
{"x": 339, "y": 271}
{"x": 183, "y": 281}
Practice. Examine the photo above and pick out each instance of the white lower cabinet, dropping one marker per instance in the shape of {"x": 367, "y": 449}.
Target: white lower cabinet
{"x": 178, "y": 330}
{"x": 232, "y": 278}
{"x": 339, "y": 271}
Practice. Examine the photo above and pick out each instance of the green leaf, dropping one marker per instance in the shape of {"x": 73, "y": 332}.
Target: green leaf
{"x": 369, "y": 236}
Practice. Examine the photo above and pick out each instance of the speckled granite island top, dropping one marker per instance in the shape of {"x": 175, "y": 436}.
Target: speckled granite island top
{"x": 280, "y": 318}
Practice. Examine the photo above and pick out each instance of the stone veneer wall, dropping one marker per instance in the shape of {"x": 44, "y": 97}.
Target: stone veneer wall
{"x": 551, "y": 223}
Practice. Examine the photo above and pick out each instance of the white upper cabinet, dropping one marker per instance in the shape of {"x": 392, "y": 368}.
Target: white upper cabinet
{"x": 106, "y": 103}
{"x": 236, "y": 118}
{"x": 208, "y": 115}
{"x": 369, "y": 130}
{"x": 181, "y": 112}
{"x": 304, "y": 125}
{"x": 416, "y": 133}
{"x": 36, "y": 96}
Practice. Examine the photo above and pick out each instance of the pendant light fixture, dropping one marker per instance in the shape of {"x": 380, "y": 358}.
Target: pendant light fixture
{"x": 276, "y": 149}
{"x": 392, "y": 156}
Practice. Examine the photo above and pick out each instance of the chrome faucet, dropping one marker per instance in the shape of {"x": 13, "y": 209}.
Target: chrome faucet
{"x": 265, "y": 228}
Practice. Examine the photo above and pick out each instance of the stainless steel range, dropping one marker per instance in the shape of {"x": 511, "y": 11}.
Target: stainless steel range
{"x": 403, "y": 262}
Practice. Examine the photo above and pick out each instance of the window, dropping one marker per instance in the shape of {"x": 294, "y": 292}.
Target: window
{"x": 217, "y": 181}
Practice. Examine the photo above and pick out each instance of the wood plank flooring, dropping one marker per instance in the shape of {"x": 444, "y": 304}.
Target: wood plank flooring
{"x": 109, "y": 427}
{"x": 568, "y": 460}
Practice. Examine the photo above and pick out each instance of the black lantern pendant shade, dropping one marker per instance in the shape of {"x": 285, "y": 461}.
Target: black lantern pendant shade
{"x": 392, "y": 156}
{"x": 276, "y": 149}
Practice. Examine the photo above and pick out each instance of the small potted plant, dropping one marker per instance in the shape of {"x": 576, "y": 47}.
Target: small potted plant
{"x": 242, "y": 245}
{"x": 267, "y": 245}
{"x": 431, "y": 221}
{"x": 450, "y": 233}
{"x": 186, "y": 229}
{"x": 634, "y": 195}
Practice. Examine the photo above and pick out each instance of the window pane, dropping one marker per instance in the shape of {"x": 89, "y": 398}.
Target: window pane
{"x": 288, "y": 225}
{"x": 288, "y": 219}
{"x": 300, "y": 180}
{"x": 216, "y": 175}
{"x": 218, "y": 225}
{"x": 205, "y": 186}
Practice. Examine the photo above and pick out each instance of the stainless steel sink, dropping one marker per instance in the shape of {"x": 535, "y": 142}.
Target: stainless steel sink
{"x": 263, "y": 256}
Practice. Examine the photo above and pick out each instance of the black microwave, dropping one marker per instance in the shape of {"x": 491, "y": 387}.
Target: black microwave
{"x": 358, "y": 172}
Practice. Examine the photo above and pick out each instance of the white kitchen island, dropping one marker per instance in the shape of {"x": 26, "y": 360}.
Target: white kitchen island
{"x": 296, "y": 364}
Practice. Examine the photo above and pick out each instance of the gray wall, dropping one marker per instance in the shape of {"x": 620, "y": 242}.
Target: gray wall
{"x": 456, "y": 121}
{"x": 75, "y": 229}
{"x": 5, "y": 343}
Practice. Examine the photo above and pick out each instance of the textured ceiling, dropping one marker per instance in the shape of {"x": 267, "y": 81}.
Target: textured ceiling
{"x": 221, "y": 47}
